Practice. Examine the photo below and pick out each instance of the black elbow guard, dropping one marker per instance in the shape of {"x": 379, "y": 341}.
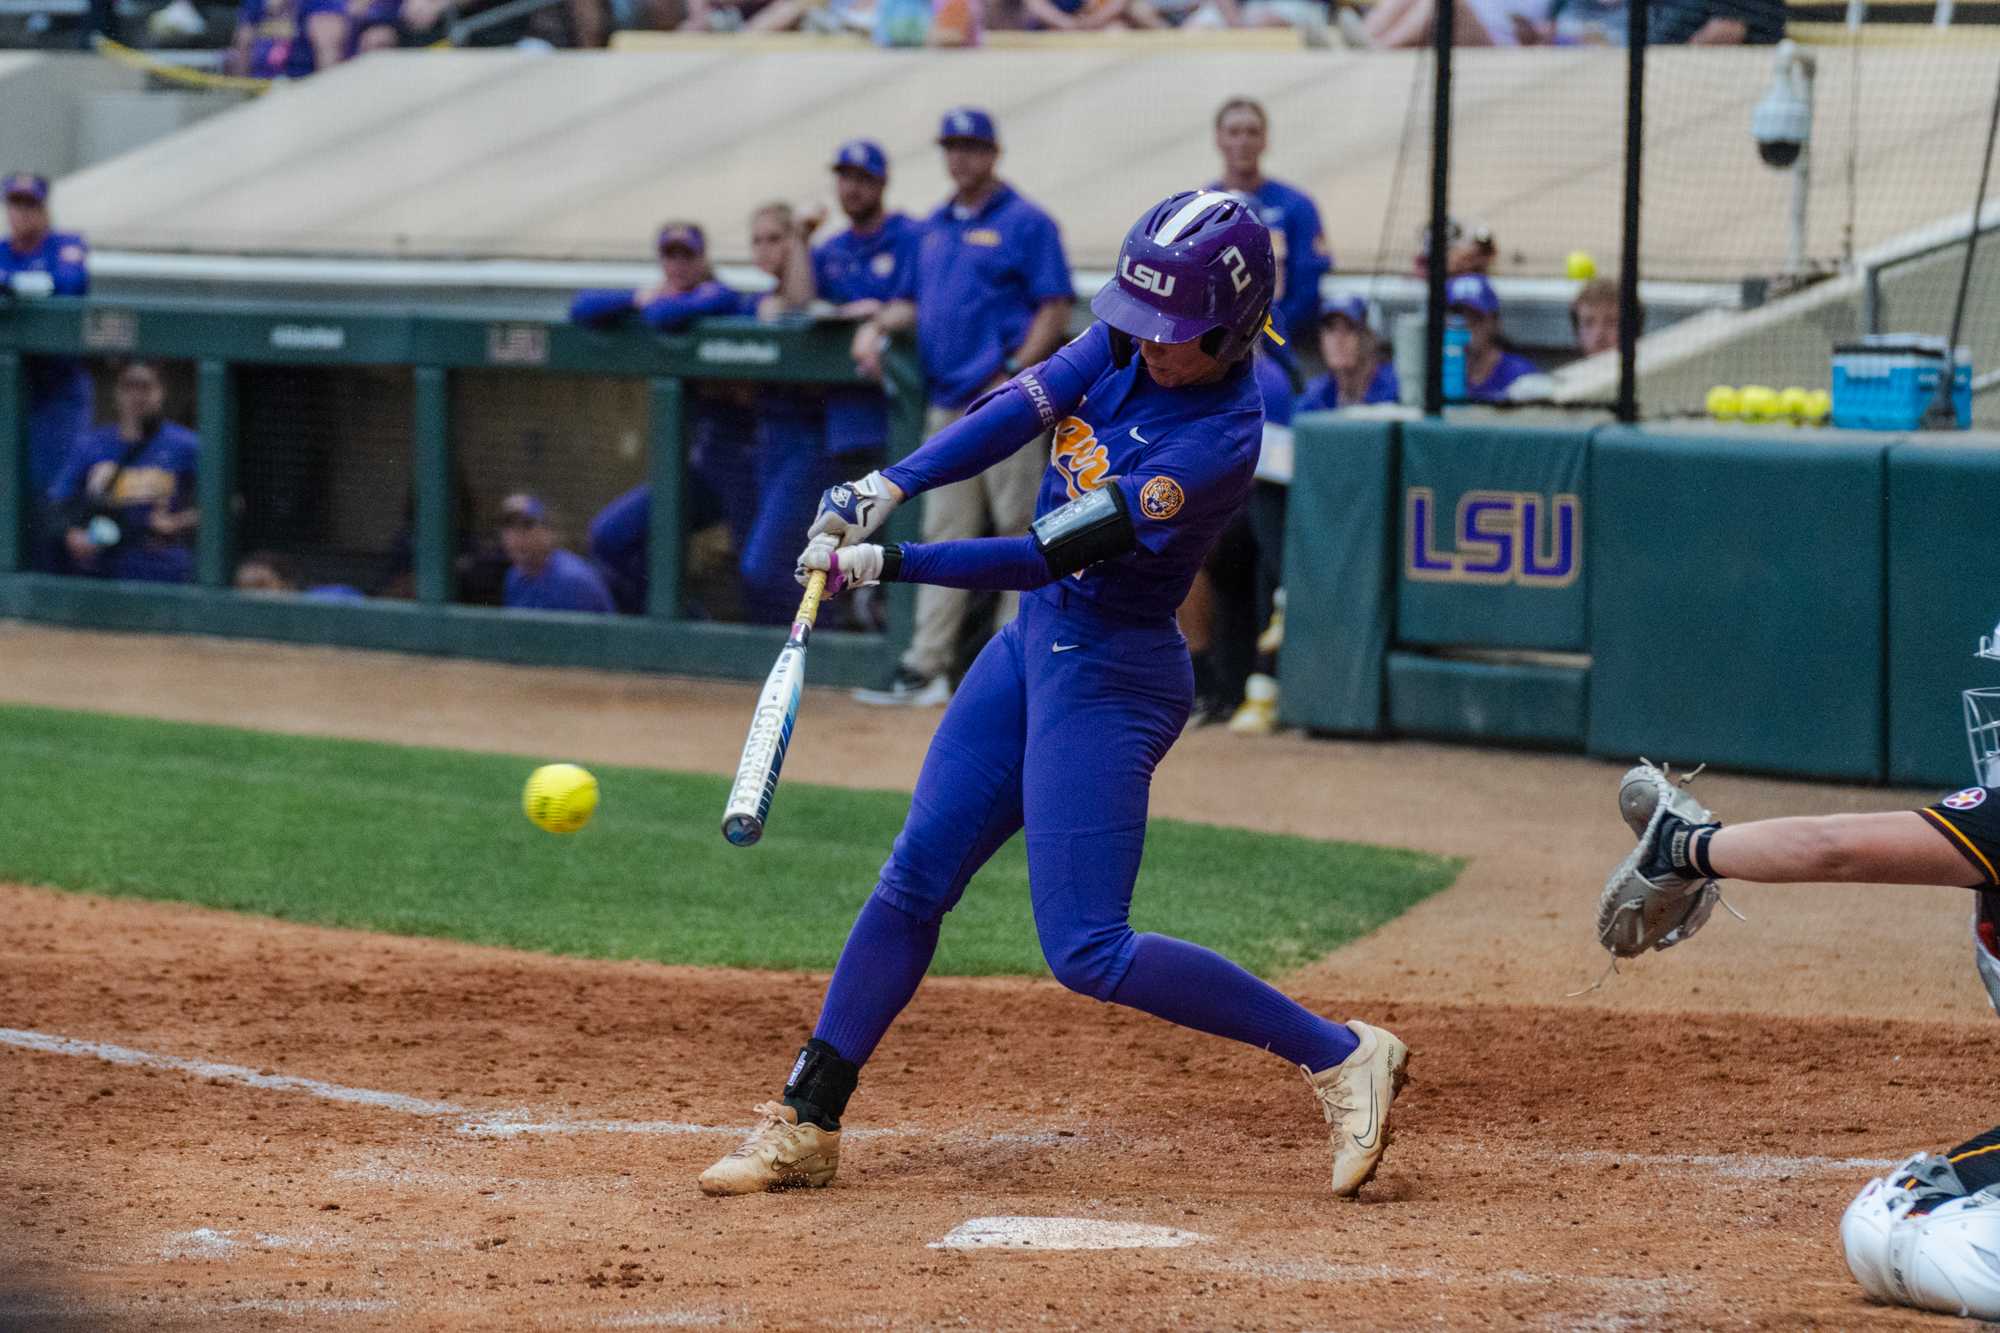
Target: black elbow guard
{"x": 1083, "y": 532}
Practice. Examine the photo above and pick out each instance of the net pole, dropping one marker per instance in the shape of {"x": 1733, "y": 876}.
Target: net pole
{"x": 1941, "y": 413}
{"x": 1629, "y": 314}
{"x": 1438, "y": 251}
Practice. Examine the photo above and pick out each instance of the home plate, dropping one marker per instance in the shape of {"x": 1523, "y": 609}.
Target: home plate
{"x": 1062, "y": 1233}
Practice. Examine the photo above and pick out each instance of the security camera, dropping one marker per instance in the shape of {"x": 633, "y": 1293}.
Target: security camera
{"x": 1782, "y": 122}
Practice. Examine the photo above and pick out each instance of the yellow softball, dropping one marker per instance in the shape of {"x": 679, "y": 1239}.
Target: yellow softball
{"x": 560, "y": 797}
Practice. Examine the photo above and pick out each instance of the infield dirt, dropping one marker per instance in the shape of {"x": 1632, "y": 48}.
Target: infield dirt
{"x": 1670, "y": 1151}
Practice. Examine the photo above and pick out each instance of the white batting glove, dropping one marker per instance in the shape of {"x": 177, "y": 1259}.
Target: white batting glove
{"x": 853, "y": 510}
{"x": 845, "y": 566}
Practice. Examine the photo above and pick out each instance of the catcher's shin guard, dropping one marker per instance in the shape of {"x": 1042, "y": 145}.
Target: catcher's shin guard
{"x": 1915, "y": 1237}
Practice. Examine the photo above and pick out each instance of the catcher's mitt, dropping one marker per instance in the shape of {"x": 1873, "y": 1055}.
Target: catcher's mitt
{"x": 1647, "y": 903}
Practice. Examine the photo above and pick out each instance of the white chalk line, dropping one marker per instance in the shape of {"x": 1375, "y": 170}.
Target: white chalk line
{"x": 209, "y": 1069}
{"x": 512, "y": 1123}
{"x": 523, "y": 1122}
{"x": 1733, "y": 1166}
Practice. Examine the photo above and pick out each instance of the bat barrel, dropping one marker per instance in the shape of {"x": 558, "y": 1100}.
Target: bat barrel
{"x": 741, "y": 829}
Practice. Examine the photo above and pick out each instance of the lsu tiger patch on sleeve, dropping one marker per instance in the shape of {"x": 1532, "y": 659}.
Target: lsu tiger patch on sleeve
{"x": 1161, "y": 498}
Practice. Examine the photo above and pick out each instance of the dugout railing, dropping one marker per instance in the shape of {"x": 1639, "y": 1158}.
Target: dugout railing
{"x": 223, "y": 343}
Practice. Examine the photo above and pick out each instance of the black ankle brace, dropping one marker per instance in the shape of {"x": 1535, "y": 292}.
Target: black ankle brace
{"x": 820, "y": 1085}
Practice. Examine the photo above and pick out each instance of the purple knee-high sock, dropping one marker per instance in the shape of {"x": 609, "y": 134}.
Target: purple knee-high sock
{"x": 1200, "y": 989}
{"x": 880, "y": 966}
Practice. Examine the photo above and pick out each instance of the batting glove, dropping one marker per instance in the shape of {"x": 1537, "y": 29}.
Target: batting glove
{"x": 845, "y": 566}
{"x": 853, "y": 510}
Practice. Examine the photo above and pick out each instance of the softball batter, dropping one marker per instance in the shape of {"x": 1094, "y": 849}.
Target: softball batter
{"x": 1060, "y": 722}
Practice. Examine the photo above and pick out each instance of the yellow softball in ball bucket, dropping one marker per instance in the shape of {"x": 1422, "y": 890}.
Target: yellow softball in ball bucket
{"x": 560, "y": 797}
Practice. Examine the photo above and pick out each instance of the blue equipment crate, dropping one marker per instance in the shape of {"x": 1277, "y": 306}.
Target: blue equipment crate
{"x": 1886, "y": 382}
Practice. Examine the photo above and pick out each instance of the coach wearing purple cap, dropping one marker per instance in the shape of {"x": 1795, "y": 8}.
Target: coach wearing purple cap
{"x": 860, "y": 271}
{"x": 989, "y": 294}
{"x": 1357, "y": 371}
{"x": 38, "y": 261}
{"x": 542, "y": 575}
{"x": 1490, "y": 369}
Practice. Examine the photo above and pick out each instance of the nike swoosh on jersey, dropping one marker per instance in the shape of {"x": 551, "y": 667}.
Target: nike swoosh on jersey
{"x": 1140, "y": 438}
{"x": 1064, "y": 647}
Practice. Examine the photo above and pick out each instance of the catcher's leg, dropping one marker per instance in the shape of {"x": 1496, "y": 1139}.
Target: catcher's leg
{"x": 966, "y": 804}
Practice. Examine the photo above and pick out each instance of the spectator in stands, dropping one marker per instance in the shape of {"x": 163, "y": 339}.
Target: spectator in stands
{"x": 860, "y": 271}
{"x": 1400, "y": 24}
{"x": 1681, "y": 22}
{"x": 1358, "y": 368}
{"x": 1242, "y": 133}
{"x": 818, "y": 16}
{"x": 1593, "y": 317}
{"x": 270, "y": 572}
{"x": 1090, "y": 15}
{"x": 373, "y": 26}
{"x": 289, "y": 39}
{"x": 1469, "y": 248}
{"x": 36, "y": 262}
{"x": 1490, "y": 369}
{"x": 544, "y": 576}
{"x": 1715, "y": 22}
{"x": 989, "y": 295}
{"x": 126, "y": 494}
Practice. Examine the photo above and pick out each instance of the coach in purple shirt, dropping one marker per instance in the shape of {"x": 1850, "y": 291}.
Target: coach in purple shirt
{"x": 543, "y": 576}
{"x": 989, "y": 294}
{"x": 860, "y": 271}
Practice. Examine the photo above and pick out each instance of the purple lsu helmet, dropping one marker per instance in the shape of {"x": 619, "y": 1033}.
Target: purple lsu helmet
{"x": 1198, "y": 263}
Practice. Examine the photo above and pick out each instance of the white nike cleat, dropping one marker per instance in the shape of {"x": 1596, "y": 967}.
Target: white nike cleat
{"x": 1355, "y": 1096}
{"x": 1915, "y": 1237}
{"x": 780, "y": 1153}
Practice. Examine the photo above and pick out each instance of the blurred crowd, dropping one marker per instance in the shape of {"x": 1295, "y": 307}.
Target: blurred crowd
{"x": 293, "y": 38}
{"x": 981, "y": 286}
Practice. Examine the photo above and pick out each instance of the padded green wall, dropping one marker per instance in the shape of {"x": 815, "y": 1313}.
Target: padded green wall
{"x": 1737, "y": 600}
{"x": 1340, "y": 571}
{"x": 1944, "y": 523}
{"x": 1491, "y": 546}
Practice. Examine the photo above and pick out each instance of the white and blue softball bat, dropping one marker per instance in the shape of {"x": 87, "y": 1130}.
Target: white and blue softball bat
{"x": 771, "y": 727}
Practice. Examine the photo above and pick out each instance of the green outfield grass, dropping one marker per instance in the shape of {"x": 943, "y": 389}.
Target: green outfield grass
{"x": 433, "y": 842}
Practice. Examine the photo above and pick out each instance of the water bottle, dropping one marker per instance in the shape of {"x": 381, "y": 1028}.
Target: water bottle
{"x": 1456, "y": 336}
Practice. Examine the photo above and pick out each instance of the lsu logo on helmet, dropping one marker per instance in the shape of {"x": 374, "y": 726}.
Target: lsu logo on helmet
{"x": 1146, "y": 277}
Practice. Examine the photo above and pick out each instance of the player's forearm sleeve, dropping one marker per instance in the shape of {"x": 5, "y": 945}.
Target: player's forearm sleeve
{"x": 671, "y": 313}
{"x": 1007, "y": 418}
{"x": 991, "y": 430}
{"x": 998, "y": 564}
{"x": 599, "y": 307}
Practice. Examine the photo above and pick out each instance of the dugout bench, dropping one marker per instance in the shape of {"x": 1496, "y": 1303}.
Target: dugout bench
{"x": 440, "y": 354}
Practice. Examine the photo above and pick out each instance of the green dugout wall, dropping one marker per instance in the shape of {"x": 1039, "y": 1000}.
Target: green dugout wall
{"x": 437, "y": 345}
{"x": 1784, "y": 601}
